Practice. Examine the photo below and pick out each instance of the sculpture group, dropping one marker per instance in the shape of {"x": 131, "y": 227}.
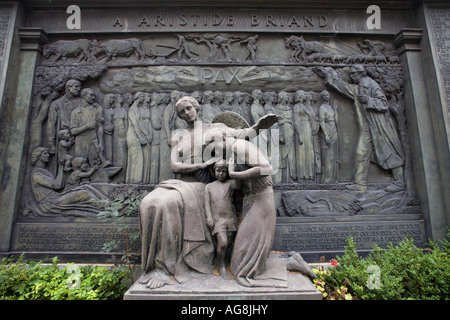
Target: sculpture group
{"x": 179, "y": 218}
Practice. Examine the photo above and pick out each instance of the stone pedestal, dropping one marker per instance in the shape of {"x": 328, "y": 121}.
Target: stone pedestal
{"x": 212, "y": 287}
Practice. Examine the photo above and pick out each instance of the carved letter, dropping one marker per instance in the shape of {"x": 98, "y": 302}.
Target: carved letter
{"x": 308, "y": 20}
{"x": 196, "y": 17}
{"x": 323, "y": 21}
{"x": 255, "y": 21}
{"x": 183, "y": 20}
{"x": 218, "y": 20}
{"x": 159, "y": 19}
{"x": 217, "y": 76}
{"x": 143, "y": 21}
{"x": 233, "y": 75}
{"x": 206, "y": 74}
{"x": 269, "y": 20}
{"x": 117, "y": 23}
{"x": 293, "y": 21}
{"x": 230, "y": 20}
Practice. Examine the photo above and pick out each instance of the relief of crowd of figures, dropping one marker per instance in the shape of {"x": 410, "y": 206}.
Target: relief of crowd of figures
{"x": 81, "y": 143}
{"x": 129, "y": 135}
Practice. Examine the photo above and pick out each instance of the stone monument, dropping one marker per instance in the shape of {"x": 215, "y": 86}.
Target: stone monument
{"x": 357, "y": 137}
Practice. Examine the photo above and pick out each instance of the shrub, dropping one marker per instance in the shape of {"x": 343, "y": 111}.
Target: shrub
{"x": 400, "y": 272}
{"x": 23, "y": 280}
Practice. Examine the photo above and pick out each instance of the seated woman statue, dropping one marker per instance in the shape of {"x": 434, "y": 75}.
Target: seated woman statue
{"x": 176, "y": 241}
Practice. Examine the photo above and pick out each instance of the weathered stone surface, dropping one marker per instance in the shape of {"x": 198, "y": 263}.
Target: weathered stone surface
{"x": 330, "y": 235}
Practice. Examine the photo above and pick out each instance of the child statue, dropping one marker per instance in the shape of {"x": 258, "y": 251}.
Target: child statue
{"x": 221, "y": 213}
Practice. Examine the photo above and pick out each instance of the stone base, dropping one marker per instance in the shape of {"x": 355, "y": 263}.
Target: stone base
{"x": 213, "y": 287}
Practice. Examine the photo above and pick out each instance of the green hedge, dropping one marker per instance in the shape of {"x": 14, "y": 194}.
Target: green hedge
{"x": 401, "y": 272}
{"x": 23, "y": 280}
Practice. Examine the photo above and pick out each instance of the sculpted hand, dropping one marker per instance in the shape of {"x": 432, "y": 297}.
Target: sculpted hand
{"x": 209, "y": 162}
{"x": 210, "y": 222}
{"x": 362, "y": 98}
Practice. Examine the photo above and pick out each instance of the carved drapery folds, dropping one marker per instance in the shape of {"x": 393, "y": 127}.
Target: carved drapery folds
{"x": 103, "y": 109}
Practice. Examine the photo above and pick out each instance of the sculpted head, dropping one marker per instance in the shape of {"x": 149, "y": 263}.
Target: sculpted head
{"x": 357, "y": 72}
{"x": 73, "y": 87}
{"x": 187, "y": 108}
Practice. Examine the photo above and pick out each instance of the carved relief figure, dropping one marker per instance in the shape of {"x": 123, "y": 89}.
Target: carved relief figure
{"x": 135, "y": 140}
{"x": 86, "y": 124}
{"x": 127, "y": 101}
{"x": 218, "y": 99}
{"x": 60, "y": 112}
{"x": 114, "y": 48}
{"x": 378, "y": 134}
{"x": 208, "y": 40}
{"x": 287, "y": 153}
{"x": 305, "y": 146}
{"x": 315, "y": 127}
{"x": 227, "y": 104}
{"x": 328, "y": 123}
{"x": 221, "y": 213}
{"x": 223, "y": 42}
{"x": 40, "y": 110}
{"x": 66, "y": 141}
{"x": 79, "y": 201}
{"x": 156, "y": 118}
{"x": 146, "y": 128}
{"x": 120, "y": 125}
{"x": 257, "y": 111}
{"x": 81, "y": 173}
{"x": 208, "y": 111}
{"x": 69, "y": 48}
{"x": 241, "y": 105}
{"x": 372, "y": 47}
{"x": 251, "y": 47}
{"x": 183, "y": 47}
{"x": 108, "y": 127}
{"x": 302, "y": 49}
{"x": 273, "y": 135}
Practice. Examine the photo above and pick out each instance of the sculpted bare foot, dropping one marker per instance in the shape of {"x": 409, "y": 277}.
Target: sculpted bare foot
{"x": 156, "y": 279}
{"x": 145, "y": 278}
{"x": 154, "y": 283}
{"x": 224, "y": 274}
